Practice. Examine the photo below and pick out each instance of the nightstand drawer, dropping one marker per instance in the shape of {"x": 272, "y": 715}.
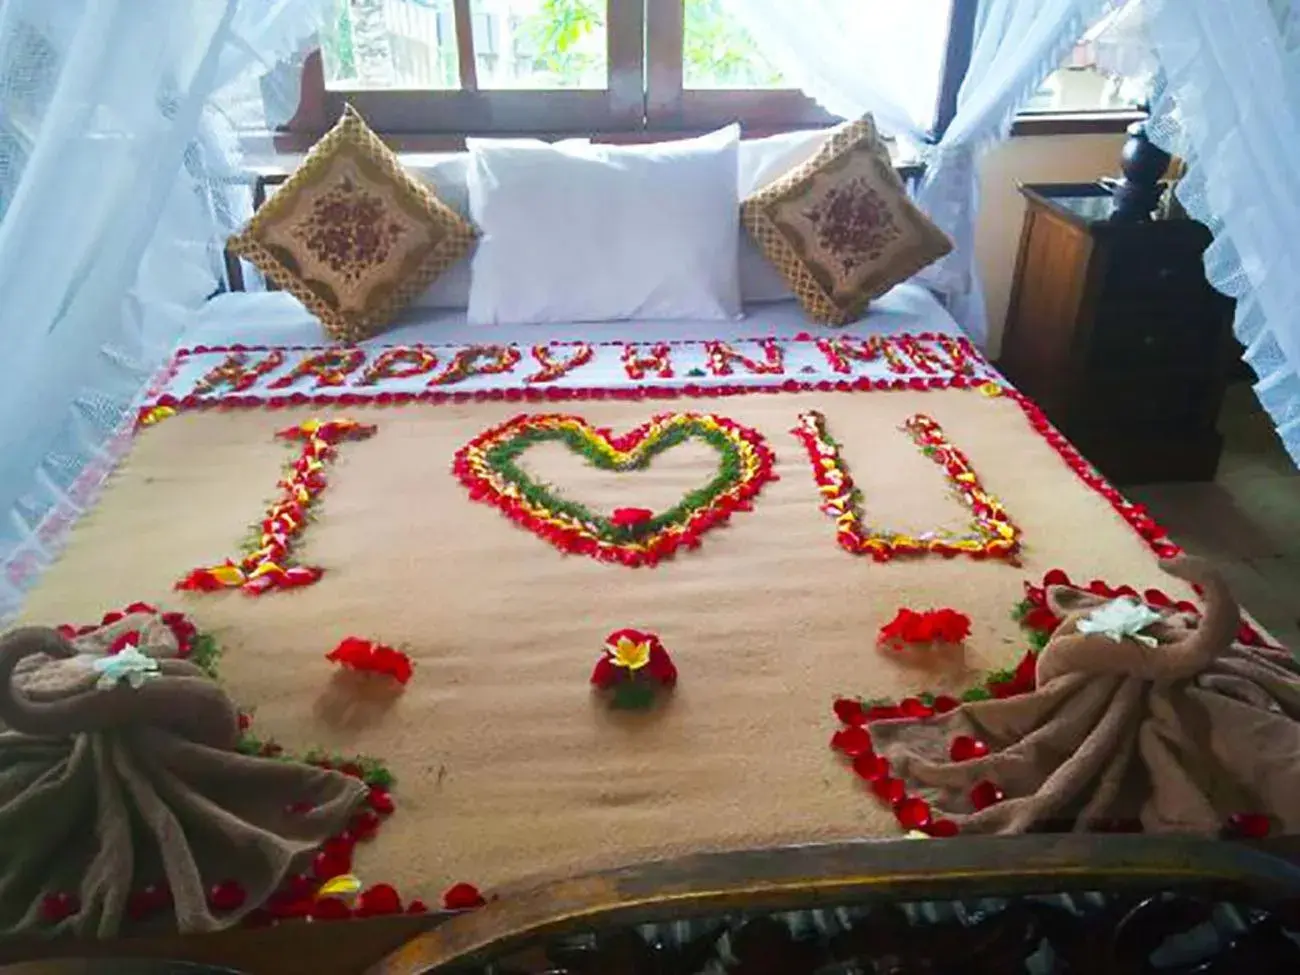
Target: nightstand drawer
{"x": 1158, "y": 336}
{"x": 1139, "y": 266}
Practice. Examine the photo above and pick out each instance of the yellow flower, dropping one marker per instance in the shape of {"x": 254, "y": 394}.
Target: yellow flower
{"x": 991, "y": 389}
{"x": 157, "y": 414}
{"x": 630, "y": 654}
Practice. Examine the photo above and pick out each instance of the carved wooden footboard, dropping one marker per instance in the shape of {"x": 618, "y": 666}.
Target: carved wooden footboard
{"x": 1044, "y": 903}
{"x": 1112, "y": 904}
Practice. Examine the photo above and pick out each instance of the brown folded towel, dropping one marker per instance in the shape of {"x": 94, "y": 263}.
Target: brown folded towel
{"x": 105, "y": 791}
{"x": 1179, "y": 736}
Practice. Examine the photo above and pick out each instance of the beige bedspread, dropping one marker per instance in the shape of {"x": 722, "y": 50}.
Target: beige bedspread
{"x": 506, "y": 765}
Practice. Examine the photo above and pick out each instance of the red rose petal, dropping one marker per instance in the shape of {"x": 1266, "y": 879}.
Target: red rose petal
{"x": 364, "y": 825}
{"x": 228, "y": 895}
{"x": 945, "y": 703}
{"x": 57, "y": 907}
{"x": 851, "y": 741}
{"x": 1251, "y": 826}
{"x": 912, "y": 707}
{"x": 871, "y": 767}
{"x": 850, "y": 712}
{"x": 379, "y": 899}
{"x": 330, "y": 909}
{"x": 985, "y": 794}
{"x": 326, "y": 866}
{"x": 380, "y": 801}
{"x": 890, "y": 789}
{"x": 912, "y": 813}
{"x": 462, "y": 897}
{"x": 964, "y": 748}
{"x": 942, "y": 828}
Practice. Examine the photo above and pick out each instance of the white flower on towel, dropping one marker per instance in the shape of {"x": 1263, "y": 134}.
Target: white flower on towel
{"x": 129, "y": 665}
{"x": 1120, "y": 618}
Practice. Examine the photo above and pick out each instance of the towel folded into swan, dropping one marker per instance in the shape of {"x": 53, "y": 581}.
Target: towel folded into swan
{"x": 1178, "y": 736}
{"x": 105, "y": 790}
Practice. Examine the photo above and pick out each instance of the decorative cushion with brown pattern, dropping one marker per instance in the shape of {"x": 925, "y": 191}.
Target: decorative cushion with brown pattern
{"x": 839, "y": 228}
{"x": 351, "y": 235}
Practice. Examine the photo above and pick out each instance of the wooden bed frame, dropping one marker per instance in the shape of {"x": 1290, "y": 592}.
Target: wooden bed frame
{"x": 1134, "y": 871}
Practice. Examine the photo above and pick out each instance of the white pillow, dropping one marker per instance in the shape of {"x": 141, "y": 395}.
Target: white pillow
{"x": 605, "y": 233}
{"x": 446, "y": 174}
{"x": 761, "y": 161}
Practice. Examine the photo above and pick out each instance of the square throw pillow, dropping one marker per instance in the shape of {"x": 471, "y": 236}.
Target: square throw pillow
{"x": 574, "y": 233}
{"x": 840, "y": 228}
{"x": 351, "y": 235}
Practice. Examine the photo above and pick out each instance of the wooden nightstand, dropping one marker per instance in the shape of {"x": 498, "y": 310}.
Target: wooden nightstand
{"x": 1114, "y": 330}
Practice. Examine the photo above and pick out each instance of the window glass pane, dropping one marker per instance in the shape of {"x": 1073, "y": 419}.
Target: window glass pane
{"x": 719, "y": 53}
{"x": 540, "y": 43}
{"x": 391, "y": 44}
{"x": 1079, "y": 85}
{"x": 899, "y": 45}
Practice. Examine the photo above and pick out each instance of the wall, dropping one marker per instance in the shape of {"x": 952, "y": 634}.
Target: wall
{"x": 1027, "y": 159}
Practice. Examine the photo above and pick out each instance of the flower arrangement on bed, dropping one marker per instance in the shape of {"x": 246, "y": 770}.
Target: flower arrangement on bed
{"x": 411, "y": 533}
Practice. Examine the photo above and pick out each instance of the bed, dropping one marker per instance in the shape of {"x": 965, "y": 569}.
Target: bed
{"x": 565, "y": 600}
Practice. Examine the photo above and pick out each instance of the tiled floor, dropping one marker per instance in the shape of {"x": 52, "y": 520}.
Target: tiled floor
{"x": 1248, "y": 519}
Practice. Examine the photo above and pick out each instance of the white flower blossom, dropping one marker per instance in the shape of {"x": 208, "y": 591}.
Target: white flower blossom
{"x": 129, "y": 665}
{"x": 1121, "y": 618}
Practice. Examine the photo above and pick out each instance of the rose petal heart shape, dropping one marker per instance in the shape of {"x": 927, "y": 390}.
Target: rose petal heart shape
{"x": 489, "y": 467}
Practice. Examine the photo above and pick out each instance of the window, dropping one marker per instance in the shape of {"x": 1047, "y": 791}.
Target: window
{"x": 1080, "y": 85}
{"x": 425, "y": 68}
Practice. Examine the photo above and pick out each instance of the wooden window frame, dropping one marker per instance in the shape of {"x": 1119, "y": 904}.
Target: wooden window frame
{"x": 424, "y": 117}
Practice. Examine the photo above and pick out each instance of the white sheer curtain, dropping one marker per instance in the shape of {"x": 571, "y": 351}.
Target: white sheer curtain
{"x": 885, "y": 57}
{"x": 112, "y": 153}
{"x": 1230, "y": 107}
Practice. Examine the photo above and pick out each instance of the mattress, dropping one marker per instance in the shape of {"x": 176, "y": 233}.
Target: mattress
{"x": 274, "y": 318}
{"x": 481, "y": 521}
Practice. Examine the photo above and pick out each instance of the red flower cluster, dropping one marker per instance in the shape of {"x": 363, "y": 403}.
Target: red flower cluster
{"x": 721, "y": 356}
{"x": 267, "y": 566}
{"x": 659, "y": 361}
{"x": 399, "y": 362}
{"x": 632, "y": 664}
{"x": 630, "y": 517}
{"x": 477, "y": 360}
{"x": 583, "y": 536}
{"x": 553, "y": 368}
{"x": 355, "y": 653}
{"x": 942, "y": 625}
{"x": 235, "y": 373}
{"x": 330, "y": 367}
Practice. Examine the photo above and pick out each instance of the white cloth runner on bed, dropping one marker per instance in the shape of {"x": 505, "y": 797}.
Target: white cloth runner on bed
{"x": 252, "y": 325}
